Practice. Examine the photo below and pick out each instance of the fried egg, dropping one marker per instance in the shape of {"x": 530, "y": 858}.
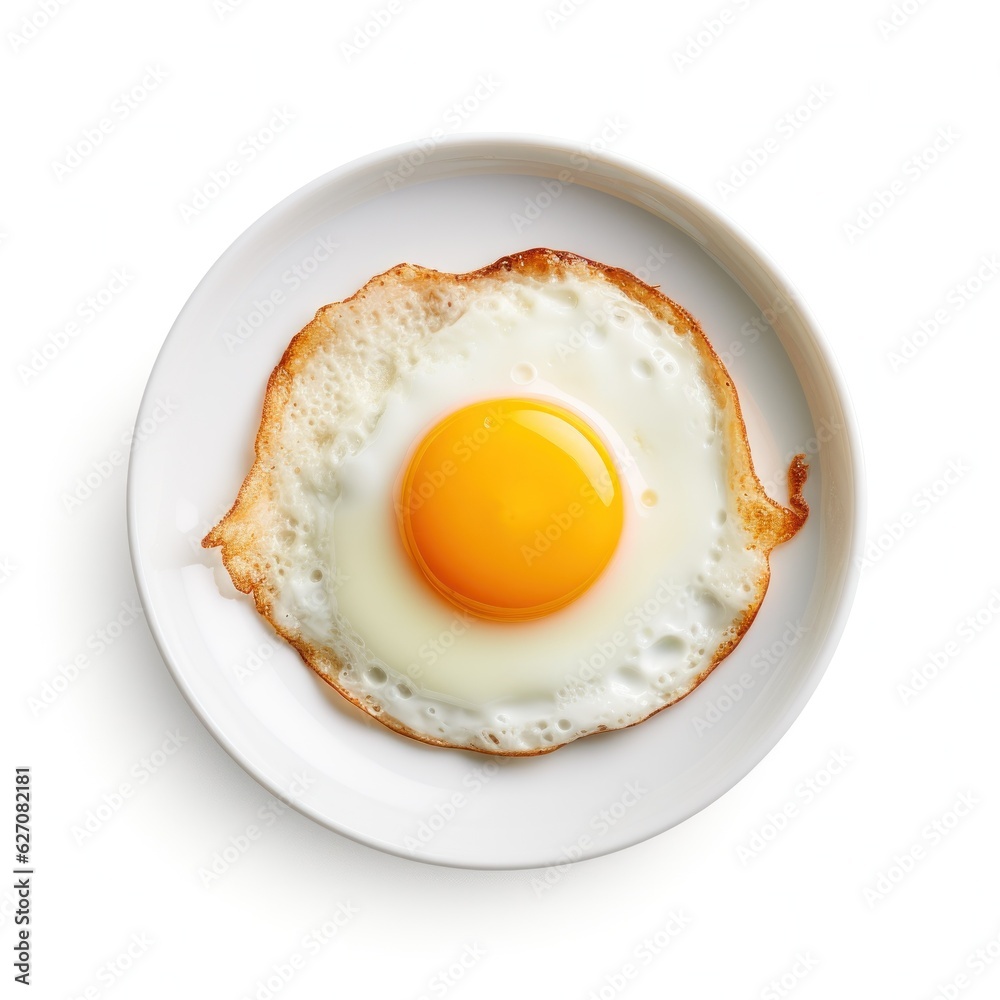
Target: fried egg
{"x": 507, "y": 509}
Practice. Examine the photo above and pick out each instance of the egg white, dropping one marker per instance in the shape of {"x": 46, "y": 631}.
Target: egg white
{"x": 639, "y": 639}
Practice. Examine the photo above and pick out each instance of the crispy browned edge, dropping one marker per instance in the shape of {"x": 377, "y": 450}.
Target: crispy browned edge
{"x": 769, "y": 522}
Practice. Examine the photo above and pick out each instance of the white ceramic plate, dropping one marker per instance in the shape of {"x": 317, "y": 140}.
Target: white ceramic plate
{"x": 455, "y": 206}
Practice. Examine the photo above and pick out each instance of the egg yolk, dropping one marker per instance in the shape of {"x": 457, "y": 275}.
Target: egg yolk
{"x": 511, "y": 508}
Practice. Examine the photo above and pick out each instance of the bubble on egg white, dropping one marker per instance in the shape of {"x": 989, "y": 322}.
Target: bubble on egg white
{"x": 708, "y": 610}
{"x": 376, "y": 676}
{"x": 664, "y": 655}
{"x": 641, "y": 368}
{"x": 631, "y": 679}
{"x": 524, "y": 373}
{"x": 665, "y": 362}
{"x": 525, "y": 301}
{"x": 566, "y": 297}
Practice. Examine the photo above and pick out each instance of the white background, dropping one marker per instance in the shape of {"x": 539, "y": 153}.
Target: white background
{"x": 885, "y": 883}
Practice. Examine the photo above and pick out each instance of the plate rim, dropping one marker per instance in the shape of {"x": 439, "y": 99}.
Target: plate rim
{"x": 496, "y": 144}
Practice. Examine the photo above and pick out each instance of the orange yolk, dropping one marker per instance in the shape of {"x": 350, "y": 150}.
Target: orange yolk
{"x": 511, "y": 508}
